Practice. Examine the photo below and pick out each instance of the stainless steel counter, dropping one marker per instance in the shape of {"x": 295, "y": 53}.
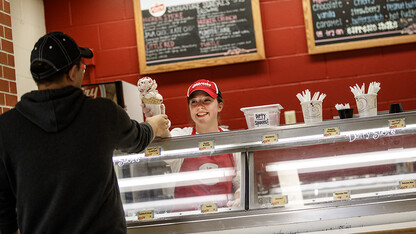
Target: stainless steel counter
{"x": 368, "y": 159}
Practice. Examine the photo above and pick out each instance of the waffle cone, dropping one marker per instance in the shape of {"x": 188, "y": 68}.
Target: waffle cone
{"x": 151, "y": 101}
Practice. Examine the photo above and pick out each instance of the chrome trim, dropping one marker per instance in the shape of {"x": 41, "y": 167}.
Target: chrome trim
{"x": 288, "y": 136}
{"x": 278, "y": 216}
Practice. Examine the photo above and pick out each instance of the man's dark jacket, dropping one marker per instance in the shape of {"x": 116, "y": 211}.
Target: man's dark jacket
{"x": 56, "y": 168}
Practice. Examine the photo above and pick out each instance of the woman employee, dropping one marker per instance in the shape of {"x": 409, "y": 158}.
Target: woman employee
{"x": 205, "y": 103}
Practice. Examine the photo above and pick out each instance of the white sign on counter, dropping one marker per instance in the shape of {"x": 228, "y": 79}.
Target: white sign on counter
{"x": 153, "y": 151}
{"x": 407, "y": 184}
{"x": 206, "y": 145}
{"x": 261, "y": 119}
{"x": 209, "y": 207}
{"x": 397, "y": 123}
{"x": 279, "y": 200}
{"x": 269, "y": 138}
{"x": 342, "y": 195}
{"x": 146, "y": 214}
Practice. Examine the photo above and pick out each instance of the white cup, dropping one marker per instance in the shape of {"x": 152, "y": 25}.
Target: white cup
{"x": 155, "y": 109}
{"x": 312, "y": 111}
{"x": 366, "y": 105}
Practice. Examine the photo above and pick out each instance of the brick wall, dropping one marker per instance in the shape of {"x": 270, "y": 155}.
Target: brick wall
{"x": 109, "y": 28}
{"x": 8, "y": 91}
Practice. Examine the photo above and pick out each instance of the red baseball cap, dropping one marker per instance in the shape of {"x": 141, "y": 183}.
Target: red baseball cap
{"x": 205, "y": 85}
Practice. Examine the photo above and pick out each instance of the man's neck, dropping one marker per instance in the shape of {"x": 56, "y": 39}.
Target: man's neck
{"x": 54, "y": 85}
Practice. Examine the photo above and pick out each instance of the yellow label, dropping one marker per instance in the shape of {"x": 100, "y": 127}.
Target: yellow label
{"x": 397, "y": 123}
{"x": 209, "y": 207}
{"x": 153, "y": 151}
{"x": 334, "y": 131}
{"x": 342, "y": 195}
{"x": 270, "y": 138}
{"x": 206, "y": 145}
{"x": 406, "y": 184}
{"x": 279, "y": 200}
{"x": 145, "y": 214}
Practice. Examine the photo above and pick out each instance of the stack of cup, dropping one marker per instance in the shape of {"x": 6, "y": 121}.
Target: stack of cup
{"x": 366, "y": 102}
{"x": 312, "y": 111}
{"x": 311, "y": 107}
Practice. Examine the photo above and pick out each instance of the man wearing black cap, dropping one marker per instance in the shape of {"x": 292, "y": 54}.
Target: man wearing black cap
{"x": 56, "y": 147}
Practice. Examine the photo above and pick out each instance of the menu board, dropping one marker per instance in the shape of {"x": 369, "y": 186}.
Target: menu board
{"x": 184, "y": 34}
{"x": 336, "y": 25}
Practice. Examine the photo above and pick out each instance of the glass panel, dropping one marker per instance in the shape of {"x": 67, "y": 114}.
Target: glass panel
{"x": 360, "y": 169}
{"x": 179, "y": 186}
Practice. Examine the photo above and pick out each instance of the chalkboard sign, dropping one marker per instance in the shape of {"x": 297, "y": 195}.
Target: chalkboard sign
{"x": 336, "y": 25}
{"x": 184, "y": 34}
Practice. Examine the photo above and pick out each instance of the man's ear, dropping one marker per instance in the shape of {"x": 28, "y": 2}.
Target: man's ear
{"x": 71, "y": 73}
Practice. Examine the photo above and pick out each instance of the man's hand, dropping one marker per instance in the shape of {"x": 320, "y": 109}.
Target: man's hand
{"x": 160, "y": 125}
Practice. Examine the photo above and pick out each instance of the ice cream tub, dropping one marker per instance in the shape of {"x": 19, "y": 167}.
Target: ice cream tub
{"x": 262, "y": 116}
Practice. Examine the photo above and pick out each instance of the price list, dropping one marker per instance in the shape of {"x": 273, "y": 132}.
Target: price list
{"x": 200, "y": 30}
{"x": 336, "y": 21}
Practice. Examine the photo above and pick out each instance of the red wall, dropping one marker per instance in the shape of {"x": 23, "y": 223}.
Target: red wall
{"x": 107, "y": 26}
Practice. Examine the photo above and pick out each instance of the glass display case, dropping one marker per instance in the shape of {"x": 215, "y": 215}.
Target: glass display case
{"x": 173, "y": 179}
{"x": 345, "y": 173}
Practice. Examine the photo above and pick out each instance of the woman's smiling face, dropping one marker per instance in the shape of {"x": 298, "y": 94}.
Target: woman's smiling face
{"x": 204, "y": 109}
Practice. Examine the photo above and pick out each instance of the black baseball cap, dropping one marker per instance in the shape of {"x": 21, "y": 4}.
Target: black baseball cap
{"x": 59, "y": 51}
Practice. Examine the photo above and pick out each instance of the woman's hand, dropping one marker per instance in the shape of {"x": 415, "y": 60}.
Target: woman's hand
{"x": 237, "y": 201}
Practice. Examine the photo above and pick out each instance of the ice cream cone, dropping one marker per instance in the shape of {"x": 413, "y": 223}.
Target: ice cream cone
{"x": 151, "y": 100}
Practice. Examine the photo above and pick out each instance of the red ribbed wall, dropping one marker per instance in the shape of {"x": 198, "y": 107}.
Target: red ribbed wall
{"x": 107, "y": 26}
